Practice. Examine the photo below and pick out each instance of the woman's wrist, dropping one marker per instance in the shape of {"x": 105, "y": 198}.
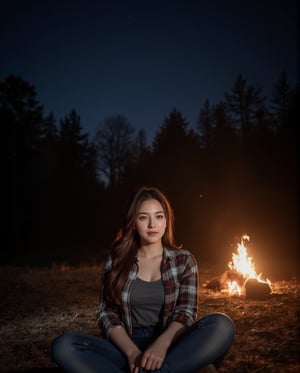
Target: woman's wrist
{"x": 132, "y": 351}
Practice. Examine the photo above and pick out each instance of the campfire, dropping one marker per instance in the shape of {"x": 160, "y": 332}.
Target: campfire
{"x": 241, "y": 278}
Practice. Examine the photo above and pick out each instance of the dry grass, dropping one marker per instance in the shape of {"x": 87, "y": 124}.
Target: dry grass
{"x": 38, "y": 304}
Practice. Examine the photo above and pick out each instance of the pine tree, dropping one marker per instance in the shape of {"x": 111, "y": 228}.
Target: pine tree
{"x": 242, "y": 103}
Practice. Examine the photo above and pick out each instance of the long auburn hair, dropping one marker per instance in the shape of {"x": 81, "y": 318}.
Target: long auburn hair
{"x": 126, "y": 244}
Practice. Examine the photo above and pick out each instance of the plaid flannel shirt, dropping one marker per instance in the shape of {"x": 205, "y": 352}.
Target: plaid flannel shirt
{"x": 180, "y": 280}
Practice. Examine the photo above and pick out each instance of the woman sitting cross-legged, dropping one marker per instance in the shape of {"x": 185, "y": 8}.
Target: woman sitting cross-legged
{"x": 148, "y": 304}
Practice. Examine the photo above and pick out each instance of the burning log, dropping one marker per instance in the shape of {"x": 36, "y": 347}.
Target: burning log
{"x": 221, "y": 282}
{"x": 256, "y": 289}
{"x": 252, "y": 288}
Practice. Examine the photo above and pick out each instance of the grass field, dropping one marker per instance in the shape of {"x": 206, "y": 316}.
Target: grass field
{"x": 37, "y": 304}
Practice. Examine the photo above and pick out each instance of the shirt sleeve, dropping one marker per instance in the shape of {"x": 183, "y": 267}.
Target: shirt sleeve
{"x": 109, "y": 315}
{"x": 187, "y": 302}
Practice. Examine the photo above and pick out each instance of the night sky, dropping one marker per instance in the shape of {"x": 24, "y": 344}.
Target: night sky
{"x": 141, "y": 59}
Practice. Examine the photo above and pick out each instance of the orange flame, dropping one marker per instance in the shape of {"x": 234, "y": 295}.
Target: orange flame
{"x": 243, "y": 265}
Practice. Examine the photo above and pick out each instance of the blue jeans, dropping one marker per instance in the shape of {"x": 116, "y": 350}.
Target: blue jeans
{"x": 207, "y": 341}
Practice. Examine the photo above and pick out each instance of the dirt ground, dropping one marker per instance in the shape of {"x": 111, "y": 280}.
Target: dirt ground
{"x": 37, "y": 304}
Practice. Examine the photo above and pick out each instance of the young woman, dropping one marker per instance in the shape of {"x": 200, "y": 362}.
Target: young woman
{"x": 148, "y": 304}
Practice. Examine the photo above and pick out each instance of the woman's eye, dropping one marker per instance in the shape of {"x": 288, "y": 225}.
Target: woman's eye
{"x": 160, "y": 216}
{"x": 142, "y": 217}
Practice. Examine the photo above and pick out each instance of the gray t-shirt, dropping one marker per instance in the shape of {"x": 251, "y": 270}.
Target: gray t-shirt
{"x": 146, "y": 301}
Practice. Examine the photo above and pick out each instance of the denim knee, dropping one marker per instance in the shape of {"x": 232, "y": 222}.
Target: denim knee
{"x": 225, "y": 324}
{"x": 220, "y": 322}
{"x": 61, "y": 346}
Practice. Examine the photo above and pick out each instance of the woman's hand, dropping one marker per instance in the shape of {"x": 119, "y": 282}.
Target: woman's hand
{"x": 134, "y": 360}
{"x": 154, "y": 356}
{"x": 120, "y": 337}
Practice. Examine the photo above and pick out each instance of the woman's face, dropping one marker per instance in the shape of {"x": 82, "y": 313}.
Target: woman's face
{"x": 150, "y": 222}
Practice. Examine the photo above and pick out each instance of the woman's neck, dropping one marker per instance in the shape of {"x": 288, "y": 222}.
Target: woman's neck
{"x": 150, "y": 251}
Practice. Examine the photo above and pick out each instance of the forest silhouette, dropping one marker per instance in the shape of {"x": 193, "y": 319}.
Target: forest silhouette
{"x": 235, "y": 172}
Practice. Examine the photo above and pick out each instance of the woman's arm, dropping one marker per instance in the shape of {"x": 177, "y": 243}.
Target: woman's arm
{"x": 185, "y": 310}
{"x": 155, "y": 354}
{"x": 169, "y": 336}
{"x": 109, "y": 315}
{"x": 121, "y": 339}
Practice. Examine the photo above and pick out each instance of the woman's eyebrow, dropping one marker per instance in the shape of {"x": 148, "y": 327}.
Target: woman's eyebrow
{"x": 147, "y": 213}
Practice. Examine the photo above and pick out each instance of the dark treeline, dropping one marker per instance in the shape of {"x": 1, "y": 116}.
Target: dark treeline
{"x": 234, "y": 172}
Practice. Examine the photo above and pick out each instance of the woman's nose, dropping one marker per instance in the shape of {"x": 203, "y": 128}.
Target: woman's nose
{"x": 150, "y": 223}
